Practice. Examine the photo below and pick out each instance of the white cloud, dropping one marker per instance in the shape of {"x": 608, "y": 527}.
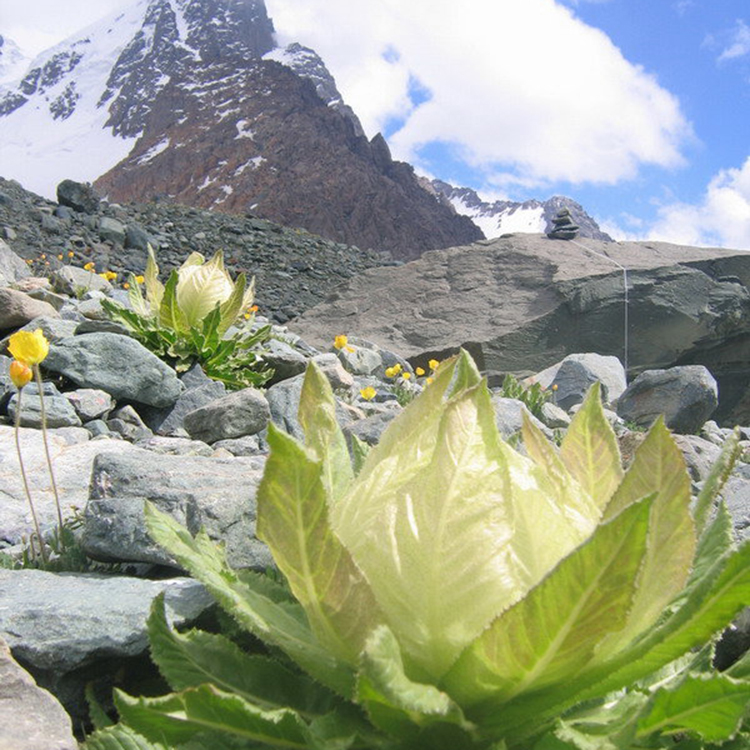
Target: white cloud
{"x": 521, "y": 89}
{"x": 739, "y": 42}
{"x": 721, "y": 218}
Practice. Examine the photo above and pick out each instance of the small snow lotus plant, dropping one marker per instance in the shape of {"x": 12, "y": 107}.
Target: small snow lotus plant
{"x": 447, "y": 592}
{"x": 188, "y": 319}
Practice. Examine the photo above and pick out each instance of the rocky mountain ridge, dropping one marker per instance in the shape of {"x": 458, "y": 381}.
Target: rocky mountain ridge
{"x": 504, "y": 216}
{"x": 167, "y": 88}
{"x": 293, "y": 269}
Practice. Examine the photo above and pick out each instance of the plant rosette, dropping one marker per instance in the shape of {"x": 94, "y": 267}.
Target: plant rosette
{"x": 443, "y": 591}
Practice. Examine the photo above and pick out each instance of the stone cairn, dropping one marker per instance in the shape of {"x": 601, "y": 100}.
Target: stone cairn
{"x": 564, "y": 228}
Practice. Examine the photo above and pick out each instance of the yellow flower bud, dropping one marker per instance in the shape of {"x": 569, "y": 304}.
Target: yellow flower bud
{"x": 20, "y": 374}
{"x": 139, "y": 279}
{"x": 340, "y": 341}
{"x": 419, "y": 371}
{"x": 406, "y": 375}
{"x": 29, "y": 348}
{"x": 433, "y": 364}
{"x": 368, "y": 393}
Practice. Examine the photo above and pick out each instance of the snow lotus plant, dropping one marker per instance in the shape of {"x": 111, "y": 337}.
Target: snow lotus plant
{"x": 188, "y": 319}
{"x": 443, "y": 591}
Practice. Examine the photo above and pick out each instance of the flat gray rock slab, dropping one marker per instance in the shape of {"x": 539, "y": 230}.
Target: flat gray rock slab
{"x": 62, "y": 621}
{"x": 217, "y": 494}
{"x": 71, "y": 461}
{"x": 30, "y": 717}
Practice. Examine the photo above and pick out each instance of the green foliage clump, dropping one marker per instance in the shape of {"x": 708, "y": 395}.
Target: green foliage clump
{"x": 448, "y": 593}
{"x": 533, "y": 396}
{"x": 188, "y": 320}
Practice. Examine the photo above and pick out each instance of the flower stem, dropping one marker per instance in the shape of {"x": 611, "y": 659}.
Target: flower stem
{"x": 26, "y": 482}
{"x": 38, "y": 374}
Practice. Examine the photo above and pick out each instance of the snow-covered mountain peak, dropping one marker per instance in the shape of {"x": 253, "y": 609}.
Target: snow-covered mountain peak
{"x": 13, "y": 61}
{"x": 505, "y": 217}
{"x": 83, "y": 103}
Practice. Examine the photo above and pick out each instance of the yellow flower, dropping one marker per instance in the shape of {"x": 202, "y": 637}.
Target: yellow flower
{"x": 29, "y": 348}
{"x": 20, "y": 373}
{"x": 71, "y": 254}
{"x": 139, "y": 279}
{"x": 391, "y": 372}
{"x": 89, "y": 266}
{"x": 419, "y": 371}
{"x": 406, "y": 375}
{"x": 554, "y": 386}
{"x": 433, "y": 364}
{"x": 110, "y": 275}
{"x": 368, "y": 394}
{"x": 126, "y": 285}
{"x": 60, "y": 256}
{"x": 340, "y": 341}
{"x": 428, "y": 381}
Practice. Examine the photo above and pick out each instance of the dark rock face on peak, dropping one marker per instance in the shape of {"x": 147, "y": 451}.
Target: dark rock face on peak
{"x": 252, "y": 136}
{"x": 171, "y": 40}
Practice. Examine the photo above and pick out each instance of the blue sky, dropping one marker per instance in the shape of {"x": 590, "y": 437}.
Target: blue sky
{"x": 638, "y": 109}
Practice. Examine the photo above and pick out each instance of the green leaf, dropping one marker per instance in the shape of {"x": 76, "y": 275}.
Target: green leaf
{"x": 97, "y": 715}
{"x": 589, "y": 450}
{"x": 740, "y": 670}
{"x": 658, "y": 468}
{"x": 278, "y": 623}
{"x": 293, "y": 522}
{"x": 170, "y": 315}
{"x": 709, "y": 605}
{"x": 120, "y": 737}
{"x": 552, "y": 633}
{"x": 317, "y": 415}
{"x": 714, "y": 544}
{"x": 360, "y": 449}
{"x": 448, "y": 536}
{"x": 712, "y": 707}
{"x": 154, "y": 288}
{"x": 178, "y": 717}
{"x": 395, "y": 703}
{"x": 577, "y": 504}
{"x": 231, "y": 308}
{"x": 135, "y": 297}
{"x": 717, "y": 478}
{"x": 191, "y": 659}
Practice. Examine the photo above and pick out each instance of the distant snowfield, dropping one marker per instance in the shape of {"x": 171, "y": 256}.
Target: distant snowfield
{"x": 493, "y": 225}
{"x": 40, "y": 151}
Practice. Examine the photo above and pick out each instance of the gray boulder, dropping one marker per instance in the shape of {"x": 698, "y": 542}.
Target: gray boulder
{"x": 12, "y": 268}
{"x": 116, "y": 364}
{"x": 244, "y": 412}
{"x": 72, "y": 463}
{"x": 360, "y": 361}
{"x": 518, "y": 303}
{"x": 62, "y": 621}
{"x": 700, "y": 455}
{"x": 200, "y": 390}
{"x": 91, "y": 403}
{"x": 737, "y": 495}
{"x": 17, "y": 309}
{"x": 687, "y": 396}
{"x": 509, "y": 417}
{"x": 31, "y": 718}
{"x": 215, "y": 494}
{"x": 112, "y": 230}
{"x": 59, "y": 412}
{"x": 69, "y": 629}
{"x": 78, "y": 196}
{"x": 575, "y": 374}
{"x": 284, "y": 359}
{"x": 76, "y": 281}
